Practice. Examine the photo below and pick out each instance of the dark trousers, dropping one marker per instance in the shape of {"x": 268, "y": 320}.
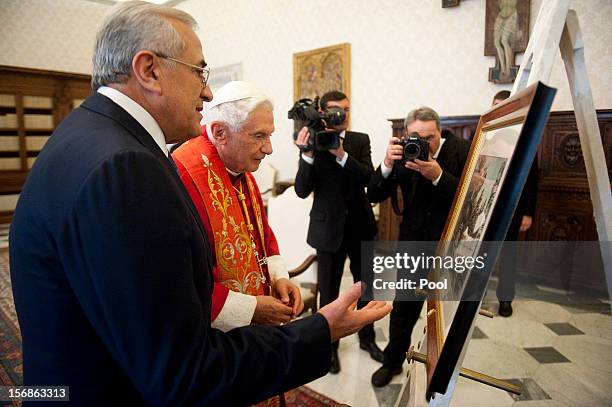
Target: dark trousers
{"x": 329, "y": 275}
{"x": 507, "y": 263}
{"x": 406, "y": 307}
{"x": 404, "y": 316}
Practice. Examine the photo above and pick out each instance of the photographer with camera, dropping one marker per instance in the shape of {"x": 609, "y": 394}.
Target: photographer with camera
{"x": 336, "y": 164}
{"x": 426, "y": 164}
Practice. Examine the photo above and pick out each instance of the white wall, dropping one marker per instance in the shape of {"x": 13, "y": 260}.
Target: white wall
{"x": 49, "y": 34}
{"x": 404, "y": 53}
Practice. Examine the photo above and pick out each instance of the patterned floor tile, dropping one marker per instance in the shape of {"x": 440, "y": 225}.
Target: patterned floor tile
{"x": 478, "y": 334}
{"x": 547, "y": 354}
{"x": 386, "y": 396}
{"x": 530, "y": 390}
{"x": 563, "y": 328}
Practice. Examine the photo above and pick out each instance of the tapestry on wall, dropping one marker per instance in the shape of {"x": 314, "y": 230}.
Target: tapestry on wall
{"x": 321, "y": 70}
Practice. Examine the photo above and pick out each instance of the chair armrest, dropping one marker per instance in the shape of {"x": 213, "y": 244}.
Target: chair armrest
{"x": 281, "y": 186}
{"x": 302, "y": 267}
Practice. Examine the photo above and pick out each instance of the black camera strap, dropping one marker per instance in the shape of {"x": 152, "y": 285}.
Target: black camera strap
{"x": 395, "y": 203}
{"x": 414, "y": 180}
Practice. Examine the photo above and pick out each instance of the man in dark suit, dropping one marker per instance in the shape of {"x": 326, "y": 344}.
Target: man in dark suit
{"x": 521, "y": 222}
{"x": 428, "y": 189}
{"x": 109, "y": 262}
{"x": 341, "y": 217}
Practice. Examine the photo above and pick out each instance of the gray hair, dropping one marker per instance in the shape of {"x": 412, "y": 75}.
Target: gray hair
{"x": 129, "y": 28}
{"x": 235, "y": 113}
{"x": 424, "y": 114}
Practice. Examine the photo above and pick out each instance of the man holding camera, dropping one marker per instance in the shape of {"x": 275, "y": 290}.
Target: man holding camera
{"x": 341, "y": 217}
{"x": 428, "y": 187}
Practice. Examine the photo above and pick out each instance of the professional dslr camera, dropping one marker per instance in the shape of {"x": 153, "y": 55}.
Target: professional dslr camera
{"x": 414, "y": 148}
{"x": 306, "y": 113}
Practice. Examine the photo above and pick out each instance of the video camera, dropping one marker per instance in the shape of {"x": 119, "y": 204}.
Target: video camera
{"x": 306, "y": 113}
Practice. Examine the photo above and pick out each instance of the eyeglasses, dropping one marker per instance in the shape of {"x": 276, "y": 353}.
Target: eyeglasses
{"x": 203, "y": 72}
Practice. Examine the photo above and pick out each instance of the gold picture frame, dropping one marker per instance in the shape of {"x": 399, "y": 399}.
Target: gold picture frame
{"x": 500, "y": 157}
{"x": 320, "y": 70}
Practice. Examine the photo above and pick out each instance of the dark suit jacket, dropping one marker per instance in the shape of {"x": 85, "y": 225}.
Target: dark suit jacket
{"x": 426, "y": 206}
{"x": 526, "y": 205}
{"x": 112, "y": 281}
{"x": 339, "y": 195}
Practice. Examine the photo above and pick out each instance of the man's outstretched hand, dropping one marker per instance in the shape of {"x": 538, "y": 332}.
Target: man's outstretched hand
{"x": 344, "y": 319}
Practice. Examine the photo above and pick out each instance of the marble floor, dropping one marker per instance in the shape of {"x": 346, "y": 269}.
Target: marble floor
{"x": 559, "y": 350}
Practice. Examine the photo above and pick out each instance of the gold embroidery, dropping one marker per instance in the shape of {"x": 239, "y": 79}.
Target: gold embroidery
{"x": 228, "y": 252}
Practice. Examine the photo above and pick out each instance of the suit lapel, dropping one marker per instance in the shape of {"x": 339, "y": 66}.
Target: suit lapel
{"x": 349, "y": 143}
{"x": 105, "y": 106}
{"x": 445, "y": 155}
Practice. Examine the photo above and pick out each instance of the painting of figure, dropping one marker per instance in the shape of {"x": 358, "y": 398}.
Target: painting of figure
{"x": 481, "y": 195}
{"x": 506, "y": 33}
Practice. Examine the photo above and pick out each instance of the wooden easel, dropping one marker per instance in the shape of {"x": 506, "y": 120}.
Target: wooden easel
{"x": 556, "y": 26}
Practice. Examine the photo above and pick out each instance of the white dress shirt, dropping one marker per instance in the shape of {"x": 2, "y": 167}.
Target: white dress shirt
{"x": 139, "y": 114}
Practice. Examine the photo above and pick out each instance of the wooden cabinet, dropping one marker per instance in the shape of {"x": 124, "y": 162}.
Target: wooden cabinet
{"x": 32, "y": 103}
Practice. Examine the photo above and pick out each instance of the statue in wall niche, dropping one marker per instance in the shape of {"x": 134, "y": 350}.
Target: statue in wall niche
{"x": 504, "y": 30}
{"x": 506, "y": 33}
{"x": 450, "y": 3}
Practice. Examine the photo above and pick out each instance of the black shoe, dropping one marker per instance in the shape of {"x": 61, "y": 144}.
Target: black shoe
{"x": 383, "y": 376}
{"x": 373, "y": 349}
{"x": 334, "y": 368}
{"x": 505, "y": 308}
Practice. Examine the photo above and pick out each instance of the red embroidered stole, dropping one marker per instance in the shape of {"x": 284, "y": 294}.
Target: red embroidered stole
{"x": 237, "y": 265}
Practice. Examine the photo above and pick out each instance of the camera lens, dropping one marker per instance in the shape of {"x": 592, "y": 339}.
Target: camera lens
{"x": 412, "y": 150}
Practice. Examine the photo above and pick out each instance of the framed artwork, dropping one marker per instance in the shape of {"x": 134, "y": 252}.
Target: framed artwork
{"x": 499, "y": 160}
{"x": 321, "y": 70}
{"x": 506, "y": 33}
{"x": 221, "y": 75}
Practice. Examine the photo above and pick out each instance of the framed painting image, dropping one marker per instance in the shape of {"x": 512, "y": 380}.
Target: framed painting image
{"x": 499, "y": 160}
{"x": 320, "y": 70}
{"x": 221, "y": 75}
